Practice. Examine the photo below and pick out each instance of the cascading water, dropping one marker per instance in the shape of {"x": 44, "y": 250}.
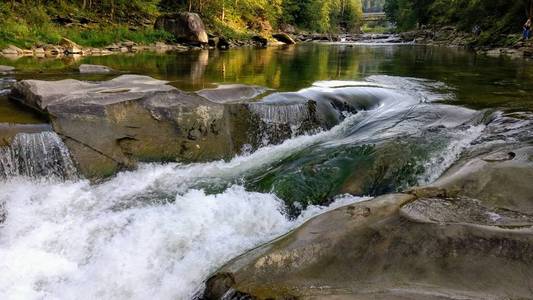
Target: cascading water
{"x": 282, "y": 114}
{"x": 37, "y": 155}
{"x": 280, "y": 121}
{"x": 159, "y": 231}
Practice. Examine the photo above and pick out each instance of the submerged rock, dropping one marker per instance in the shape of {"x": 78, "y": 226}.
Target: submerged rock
{"x": 9, "y": 131}
{"x": 94, "y": 69}
{"x": 185, "y": 26}
{"x": 40, "y": 154}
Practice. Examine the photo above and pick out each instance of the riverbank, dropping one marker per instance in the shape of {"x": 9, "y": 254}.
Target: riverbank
{"x": 510, "y": 45}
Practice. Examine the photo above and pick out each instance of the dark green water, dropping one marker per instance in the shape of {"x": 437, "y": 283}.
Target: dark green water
{"x": 479, "y": 81}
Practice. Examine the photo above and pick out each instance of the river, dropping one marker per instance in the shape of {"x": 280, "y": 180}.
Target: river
{"x": 161, "y": 230}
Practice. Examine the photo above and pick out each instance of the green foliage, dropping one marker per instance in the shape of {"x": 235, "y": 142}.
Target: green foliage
{"x": 108, "y": 35}
{"x": 28, "y": 23}
{"x": 373, "y": 5}
{"x": 494, "y": 17}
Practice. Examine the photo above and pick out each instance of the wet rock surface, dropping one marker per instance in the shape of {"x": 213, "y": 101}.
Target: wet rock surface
{"x": 391, "y": 247}
{"x": 112, "y": 125}
{"x": 467, "y": 236}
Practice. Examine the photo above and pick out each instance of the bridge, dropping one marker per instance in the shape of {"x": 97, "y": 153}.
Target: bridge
{"x": 374, "y": 17}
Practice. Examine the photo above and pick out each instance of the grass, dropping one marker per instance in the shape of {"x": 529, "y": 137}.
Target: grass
{"x": 31, "y": 26}
{"x": 103, "y": 36}
{"x": 24, "y": 35}
{"x": 375, "y": 29}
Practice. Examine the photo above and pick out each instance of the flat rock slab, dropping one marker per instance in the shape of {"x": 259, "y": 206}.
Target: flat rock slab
{"x": 390, "y": 247}
{"x": 112, "y": 125}
{"x": 40, "y": 94}
{"x": 94, "y": 69}
{"x": 463, "y": 211}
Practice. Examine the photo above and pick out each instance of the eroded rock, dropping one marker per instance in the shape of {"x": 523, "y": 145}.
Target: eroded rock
{"x": 112, "y": 125}
{"x": 391, "y": 247}
{"x": 502, "y": 179}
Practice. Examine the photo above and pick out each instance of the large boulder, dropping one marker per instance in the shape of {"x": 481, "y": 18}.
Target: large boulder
{"x": 70, "y": 46}
{"x": 113, "y": 124}
{"x": 392, "y": 247}
{"x": 186, "y": 27}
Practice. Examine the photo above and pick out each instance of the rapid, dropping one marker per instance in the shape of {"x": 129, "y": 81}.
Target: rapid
{"x": 161, "y": 230}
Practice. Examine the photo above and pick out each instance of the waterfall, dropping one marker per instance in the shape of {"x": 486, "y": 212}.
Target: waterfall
{"x": 37, "y": 155}
{"x": 278, "y": 122}
{"x": 291, "y": 114}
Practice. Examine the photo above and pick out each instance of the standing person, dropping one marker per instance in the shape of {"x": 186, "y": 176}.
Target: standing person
{"x": 527, "y": 29}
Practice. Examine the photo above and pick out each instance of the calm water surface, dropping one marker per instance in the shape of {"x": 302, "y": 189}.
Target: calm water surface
{"x": 479, "y": 81}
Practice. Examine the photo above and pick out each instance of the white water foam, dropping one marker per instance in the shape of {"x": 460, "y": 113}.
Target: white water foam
{"x": 439, "y": 163}
{"x": 63, "y": 241}
{"x": 124, "y": 239}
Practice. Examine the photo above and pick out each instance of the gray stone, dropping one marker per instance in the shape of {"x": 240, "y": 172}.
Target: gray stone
{"x": 70, "y": 46}
{"x": 94, "y": 69}
{"x": 186, "y": 27}
{"x": 390, "y": 247}
{"x": 114, "y": 124}
{"x": 467, "y": 236}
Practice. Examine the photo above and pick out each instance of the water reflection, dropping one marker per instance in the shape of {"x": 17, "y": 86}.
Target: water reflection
{"x": 480, "y": 81}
